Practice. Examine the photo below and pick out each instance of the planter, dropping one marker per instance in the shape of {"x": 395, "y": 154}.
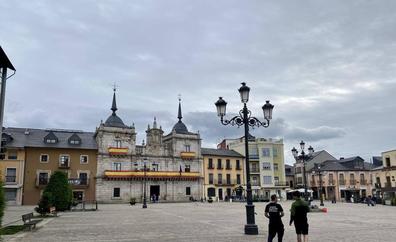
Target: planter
{"x": 132, "y": 203}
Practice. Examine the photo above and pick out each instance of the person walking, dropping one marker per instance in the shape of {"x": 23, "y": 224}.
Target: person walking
{"x": 274, "y": 212}
{"x": 298, "y": 215}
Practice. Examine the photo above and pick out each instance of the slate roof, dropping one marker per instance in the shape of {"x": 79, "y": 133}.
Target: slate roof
{"x": 377, "y": 161}
{"x": 218, "y": 152}
{"x": 345, "y": 165}
{"x": 27, "y": 137}
{"x": 289, "y": 170}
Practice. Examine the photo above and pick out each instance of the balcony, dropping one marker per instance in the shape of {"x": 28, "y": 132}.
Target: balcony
{"x": 387, "y": 185}
{"x": 77, "y": 182}
{"x": 118, "y": 151}
{"x": 363, "y": 182}
{"x": 187, "y": 155}
{"x": 211, "y": 167}
{"x": 10, "y": 179}
{"x": 254, "y": 157}
{"x": 341, "y": 182}
{"x": 352, "y": 182}
{"x": 219, "y": 167}
{"x": 254, "y": 170}
{"x": 151, "y": 175}
{"x": 281, "y": 184}
{"x": 64, "y": 165}
{"x": 331, "y": 183}
{"x": 228, "y": 167}
{"x": 238, "y": 168}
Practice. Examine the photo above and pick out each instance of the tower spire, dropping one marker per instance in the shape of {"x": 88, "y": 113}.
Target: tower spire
{"x": 179, "y": 114}
{"x": 114, "y": 104}
{"x": 155, "y": 123}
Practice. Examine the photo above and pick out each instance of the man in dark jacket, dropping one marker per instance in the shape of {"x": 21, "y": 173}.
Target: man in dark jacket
{"x": 298, "y": 215}
{"x": 274, "y": 212}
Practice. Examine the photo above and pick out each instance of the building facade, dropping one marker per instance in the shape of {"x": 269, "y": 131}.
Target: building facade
{"x": 166, "y": 167}
{"x": 12, "y": 168}
{"x": 46, "y": 151}
{"x": 384, "y": 177}
{"x": 266, "y": 163}
{"x": 315, "y": 158}
{"x": 223, "y": 172}
{"x": 342, "y": 180}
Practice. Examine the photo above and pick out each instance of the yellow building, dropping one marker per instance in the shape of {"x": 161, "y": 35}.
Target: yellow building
{"x": 223, "y": 172}
{"x": 385, "y": 177}
{"x": 11, "y": 172}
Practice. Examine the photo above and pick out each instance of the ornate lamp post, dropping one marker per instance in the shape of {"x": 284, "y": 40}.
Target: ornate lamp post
{"x": 244, "y": 118}
{"x": 303, "y": 157}
{"x": 144, "y": 186}
{"x": 318, "y": 170}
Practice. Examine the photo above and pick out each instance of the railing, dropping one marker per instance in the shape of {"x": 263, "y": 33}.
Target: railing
{"x": 210, "y": 167}
{"x": 254, "y": 157}
{"x": 238, "y": 168}
{"x": 78, "y": 182}
{"x": 388, "y": 185}
{"x": 228, "y": 167}
{"x": 255, "y": 170}
{"x": 10, "y": 179}
{"x": 281, "y": 184}
{"x": 118, "y": 150}
{"x": 64, "y": 165}
{"x": 341, "y": 182}
{"x": 352, "y": 182}
{"x": 219, "y": 167}
{"x": 331, "y": 183}
{"x": 363, "y": 182}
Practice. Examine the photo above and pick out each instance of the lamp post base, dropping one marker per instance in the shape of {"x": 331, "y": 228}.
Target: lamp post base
{"x": 251, "y": 229}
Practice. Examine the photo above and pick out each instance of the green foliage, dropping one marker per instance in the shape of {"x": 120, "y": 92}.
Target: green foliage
{"x": 2, "y": 202}
{"x": 45, "y": 203}
{"x": 12, "y": 229}
{"x": 60, "y": 190}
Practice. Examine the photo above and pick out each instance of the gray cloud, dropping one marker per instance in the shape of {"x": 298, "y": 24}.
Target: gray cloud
{"x": 327, "y": 66}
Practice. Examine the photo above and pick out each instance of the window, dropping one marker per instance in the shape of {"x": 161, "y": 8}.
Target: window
{"x": 118, "y": 143}
{"x": 238, "y": 165}
{"x": 210, "y": 178}
{"x": 116, "y": 192}
{"x": 187, "y": 148}
{"x": 210, "y": 163}
{"x": 362, "y": 181}
{"x": 187, "y": 168}
{"x": 219, "y": 164}
{"x": 50, "y": 141}
{"x": 228, "y": 164}
{"x": 228, "y": 177}
{"x": 331, "y": 181}
{"x": 254, "y": 181}
{"x": 266, "y": 152}
{"x": 219, "y": 179}
{"x": 12, "y": 154}
{"x": 276, "y": 167}
{"x": 74, "y": 142}
{"x": 238, "y": 179}
{"x": 83, "y": 176}
{"x": 267, "y": 179}
{"x": 188, "y": 191}
{"x": 276, "y": 180}
{"x": 255, "y": 167}
{"x": 117, "y": 166}
{"x": 387, "y": 161}
{"x": 266, "y": 165}
{"x": 154, "y": 167}
{"x": 352, "y": 179}
{"x": 342, "y": 181}
{"x": 275, "y": 152}
{"x": 83, "y": 159}
{"x": 44, "y": 158}
{"x": 299, "y": 180}
{"x": 64, "y": 161}
{"x": 298, "y": 169}
{"x": 43, "y": 178}
{"x": 11, "y": 175}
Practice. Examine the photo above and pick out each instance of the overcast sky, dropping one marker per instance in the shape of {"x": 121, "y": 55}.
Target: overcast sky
{"x": 329, "y": 67}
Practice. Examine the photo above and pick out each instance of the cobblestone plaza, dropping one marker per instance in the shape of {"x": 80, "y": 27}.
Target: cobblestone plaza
{"x": 207, "y": 222}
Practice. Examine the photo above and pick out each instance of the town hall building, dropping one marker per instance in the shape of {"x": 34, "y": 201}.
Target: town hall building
{"x": 168, "y": 167}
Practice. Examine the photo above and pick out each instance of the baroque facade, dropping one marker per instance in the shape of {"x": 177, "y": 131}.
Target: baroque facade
{"x": 167, "y": 167}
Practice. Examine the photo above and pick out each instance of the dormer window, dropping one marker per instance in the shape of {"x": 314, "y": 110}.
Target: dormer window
{"x": 51, "y": 138}
{"x": 74, "y": 139}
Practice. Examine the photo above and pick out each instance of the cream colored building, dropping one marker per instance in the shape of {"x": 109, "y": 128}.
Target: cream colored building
{"x": 384, "y": 177}
{"x": 223, "y": 172}
{"x": 266, "y": 164}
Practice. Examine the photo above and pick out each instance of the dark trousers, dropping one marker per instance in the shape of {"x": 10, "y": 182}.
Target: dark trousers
{"x": 275, "y": 229}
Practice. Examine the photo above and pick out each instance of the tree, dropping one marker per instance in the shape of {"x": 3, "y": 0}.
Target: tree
{"x": 60, "y": 191}
{"x": 44, "y": 204}
{"x": 2, "y": 202}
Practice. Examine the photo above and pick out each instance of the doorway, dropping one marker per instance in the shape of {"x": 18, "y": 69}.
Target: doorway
{"x": 155, "y": 190}
{"x": 220, "y": 193}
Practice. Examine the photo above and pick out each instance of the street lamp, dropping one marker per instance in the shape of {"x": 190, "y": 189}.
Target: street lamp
{"x": 144, "y": 191}
{"x": 320, "y": 185}
{"x": 303, "y": 157}
{"x": 244, "y": 118}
